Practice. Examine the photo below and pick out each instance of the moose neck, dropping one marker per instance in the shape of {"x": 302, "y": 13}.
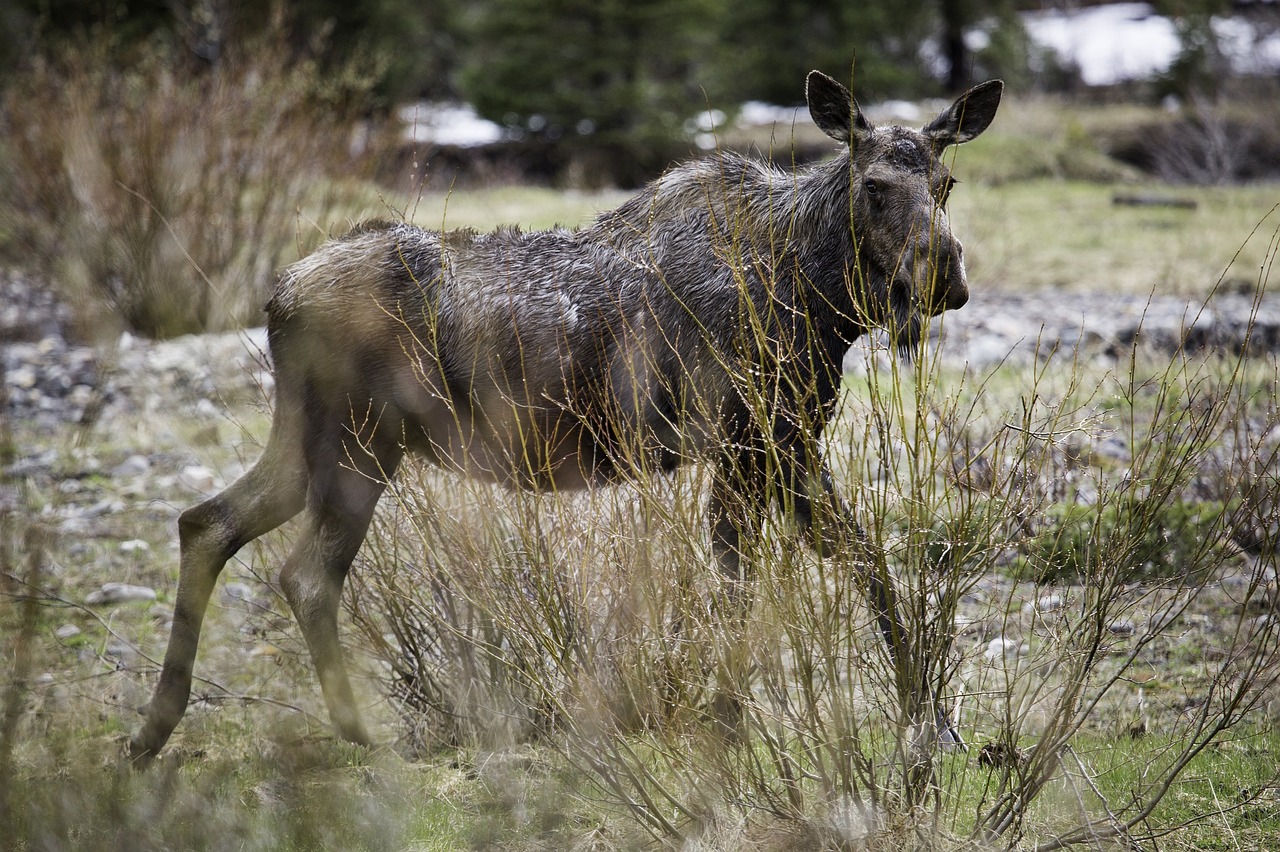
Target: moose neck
{"x": 832, "y": 269}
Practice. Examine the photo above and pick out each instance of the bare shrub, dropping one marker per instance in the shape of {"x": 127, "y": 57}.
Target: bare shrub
{"x": 1206, "y": 147}
{"x": 1209, "y": 141}
{"x": 499, "y": 614}
{"x": 171, "y": 197}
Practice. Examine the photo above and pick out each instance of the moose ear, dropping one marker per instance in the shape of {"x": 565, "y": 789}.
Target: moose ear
{"x": 967, "y": 117}
{"x": 833, "y": 109}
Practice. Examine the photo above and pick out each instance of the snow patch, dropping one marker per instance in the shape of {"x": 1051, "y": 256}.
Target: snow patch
{"x": 1120, "y": 42}
{"x": 457, "y": 125}
{"x": 1109, "y": 44}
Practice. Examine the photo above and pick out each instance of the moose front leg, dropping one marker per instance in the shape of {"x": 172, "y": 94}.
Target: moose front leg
{"x": 832, "y": 530}
{"x": 734, "y": 511}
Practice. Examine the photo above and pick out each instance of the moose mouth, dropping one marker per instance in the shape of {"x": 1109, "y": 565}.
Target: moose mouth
{"x": 907, "y": 317}
{"x": 894, "y": 306}
{"x": 911, "y": 301}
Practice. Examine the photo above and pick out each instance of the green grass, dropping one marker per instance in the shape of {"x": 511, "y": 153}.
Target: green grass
{"x": 1229, "y": 798}
{"x": 529, "y": 207}
{"x": 1068, "y": 235}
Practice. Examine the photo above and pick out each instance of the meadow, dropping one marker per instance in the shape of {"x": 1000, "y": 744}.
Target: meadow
{"x": 1084, "y": 548}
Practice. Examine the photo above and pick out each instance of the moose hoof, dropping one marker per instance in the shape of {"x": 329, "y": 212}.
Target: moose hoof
{"x": 140, "y": 753}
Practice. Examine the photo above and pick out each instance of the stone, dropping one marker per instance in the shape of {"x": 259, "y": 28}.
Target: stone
{"x": 24, "y": 377}
{"x": 197, "y": 478}
{"x": 1002, "y": 647}
{"x": 115, "y": 593}
{"x": 236, "y": 591}
{"x": 1051, "y": 602}
{"x": 134, "y": 465}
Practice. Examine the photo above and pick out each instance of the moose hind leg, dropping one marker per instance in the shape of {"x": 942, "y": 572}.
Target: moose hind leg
{"x": 733, "y": 512}
{"x": 340, "y": 508}
{"x": 210, "y": 533}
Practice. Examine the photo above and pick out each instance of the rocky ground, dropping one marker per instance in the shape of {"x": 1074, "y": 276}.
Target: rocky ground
{"x": 56, "y": 382}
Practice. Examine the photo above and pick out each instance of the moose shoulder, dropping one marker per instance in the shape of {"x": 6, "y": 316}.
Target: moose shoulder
{"x": 706, "y": 318}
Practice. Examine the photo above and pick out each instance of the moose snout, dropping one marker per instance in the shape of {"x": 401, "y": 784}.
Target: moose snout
{"x": 938, "y": 269}
{"x": 953, "y": 279}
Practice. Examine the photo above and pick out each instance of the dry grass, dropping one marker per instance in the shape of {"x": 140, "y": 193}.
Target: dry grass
{"x": 525, "y": 645}
{"x": 167, "y": 199}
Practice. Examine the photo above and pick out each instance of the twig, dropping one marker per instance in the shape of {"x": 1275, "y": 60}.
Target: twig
{"x": 16, "y": 693}
{"x": 1154, "y": 201}
{"x": 1117, "y": 826}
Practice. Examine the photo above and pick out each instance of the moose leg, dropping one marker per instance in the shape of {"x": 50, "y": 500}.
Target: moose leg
{"x": 733, "y": 511}
{"x": 269, "y": 494}
{"x": 838, "y": 529}
{"x": 340, "y": 507}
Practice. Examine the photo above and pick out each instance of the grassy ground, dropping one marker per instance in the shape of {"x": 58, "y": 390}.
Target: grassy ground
{"x": 253, "y": 766}
{"x": 1071, "y": 236}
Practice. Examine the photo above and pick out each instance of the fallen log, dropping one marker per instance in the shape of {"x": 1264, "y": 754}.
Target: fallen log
{"x": 1154, "y": 201}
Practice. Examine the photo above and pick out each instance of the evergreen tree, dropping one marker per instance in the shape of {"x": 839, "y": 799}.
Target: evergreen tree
{"x": 767, "y": 46}
{"x": 598, "y": 72}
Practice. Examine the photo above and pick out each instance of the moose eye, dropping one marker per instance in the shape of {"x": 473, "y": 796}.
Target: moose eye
{"x": 872, "y": 187}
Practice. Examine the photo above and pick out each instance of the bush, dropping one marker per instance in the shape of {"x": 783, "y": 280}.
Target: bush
{"x": 1158, "y": 541}
{"x": 167, "y": 196}
{"x": 1205, "y": 143}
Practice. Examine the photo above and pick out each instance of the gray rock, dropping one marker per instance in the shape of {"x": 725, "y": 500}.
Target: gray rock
{"x": 1002, "y": 647}
{"x": 24, "y": 377}
{"x": 134, "y": 465}
{"x": 237, "y": 592}
{"x": 108, "y": 506}
{"x": 197, "y": 478}
{"x": 30, "y": 465}
{"x": 1051, "y": 602}
{"x": 116, "y": 593}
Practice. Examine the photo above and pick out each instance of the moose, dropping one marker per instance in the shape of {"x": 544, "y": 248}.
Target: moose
{"x": 705, "y": 319}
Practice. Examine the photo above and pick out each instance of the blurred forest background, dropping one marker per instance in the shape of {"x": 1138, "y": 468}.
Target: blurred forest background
{"x": 601, "y": 75}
